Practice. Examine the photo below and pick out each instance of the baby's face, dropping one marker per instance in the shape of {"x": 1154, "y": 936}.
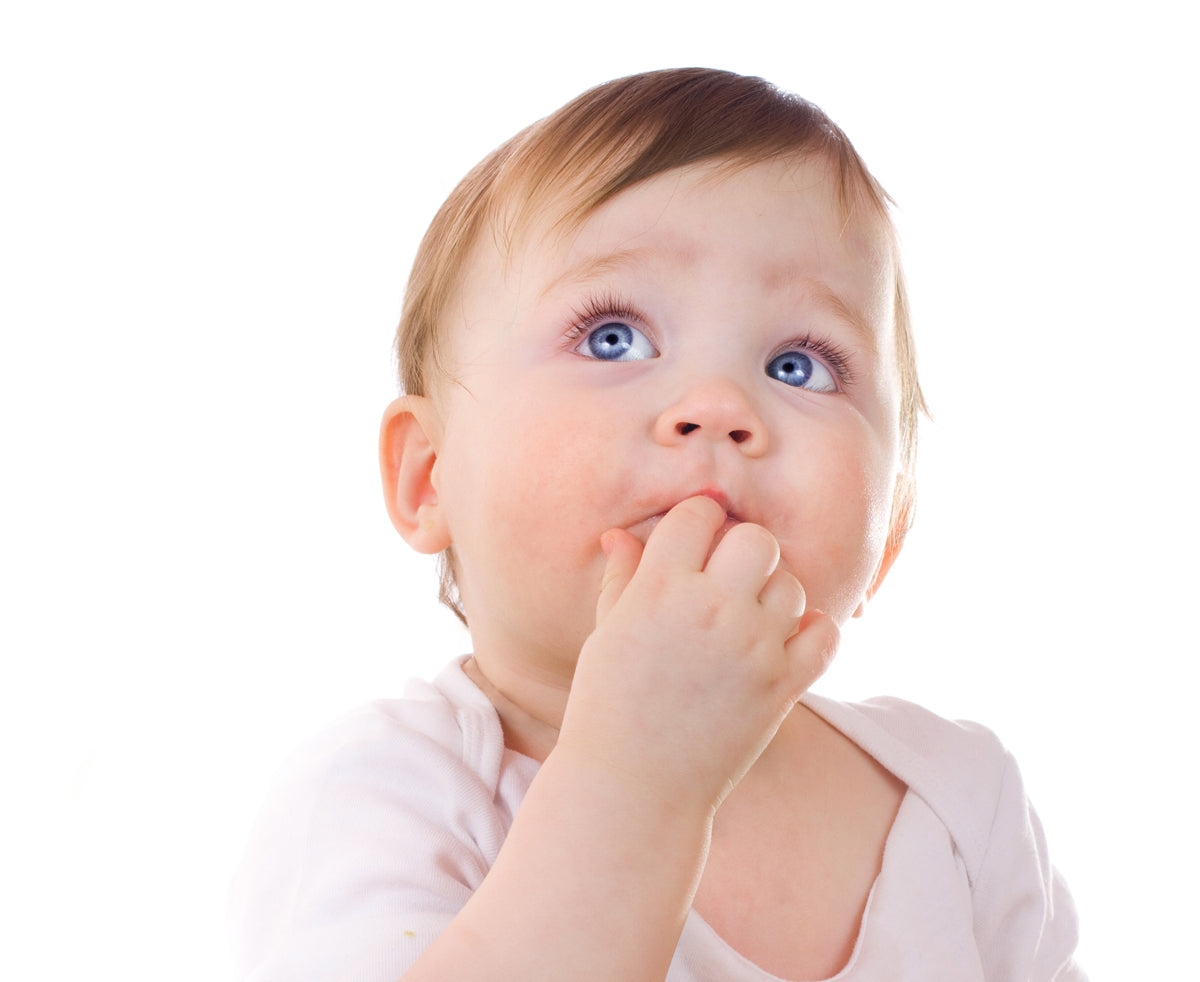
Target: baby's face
{"x": 702, "y": 332}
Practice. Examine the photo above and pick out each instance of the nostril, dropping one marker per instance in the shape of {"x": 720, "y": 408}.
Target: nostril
{"x": 739, "y": 436}
{"x": 683, "y": 429}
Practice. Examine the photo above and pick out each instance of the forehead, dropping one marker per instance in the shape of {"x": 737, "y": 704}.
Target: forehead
{"x": 778, "y": 218}
{"x": 783, "y": 225}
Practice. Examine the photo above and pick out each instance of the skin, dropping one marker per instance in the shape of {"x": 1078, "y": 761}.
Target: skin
{"x": 654, "y": 553}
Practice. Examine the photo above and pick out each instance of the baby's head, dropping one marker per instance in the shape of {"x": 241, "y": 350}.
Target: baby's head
{"x": 567, "y": 204}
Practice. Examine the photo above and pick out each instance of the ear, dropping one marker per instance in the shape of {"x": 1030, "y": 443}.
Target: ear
{"x": 408, "y": 440}
{"x": 891, "y": 553}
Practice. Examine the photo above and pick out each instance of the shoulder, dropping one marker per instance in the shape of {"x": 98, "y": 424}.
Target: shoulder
{"x": 441, "y": 740}
{"x": 928, "y": 746}
{"x": 959, "y": 769}
{"x": 447, "y": 721}
{"x": 445, "y": 728}
{"x": 1024, "y": 920}
{"x": 395, "y": 812}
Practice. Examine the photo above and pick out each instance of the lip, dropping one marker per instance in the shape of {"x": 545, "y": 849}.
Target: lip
{"x": 718, "y": 496}
{"x": 643, "y": 528}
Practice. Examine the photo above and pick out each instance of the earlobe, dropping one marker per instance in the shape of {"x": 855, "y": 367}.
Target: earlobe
{"x": 408, "y": 444}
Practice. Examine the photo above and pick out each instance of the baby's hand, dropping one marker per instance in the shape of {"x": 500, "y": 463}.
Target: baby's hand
{"x": 695, "y": 659}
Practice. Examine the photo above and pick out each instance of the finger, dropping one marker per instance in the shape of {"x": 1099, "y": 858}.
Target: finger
{"x": 623, "y": 552}
{"x": 744, "y": 558}
{"x": 683, "y": 537}
{"x": 811, "y": 650}
{"x": 783, "y": 595}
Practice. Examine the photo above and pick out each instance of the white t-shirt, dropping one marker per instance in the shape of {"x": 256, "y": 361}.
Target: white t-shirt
{"x": 385, "y": 825}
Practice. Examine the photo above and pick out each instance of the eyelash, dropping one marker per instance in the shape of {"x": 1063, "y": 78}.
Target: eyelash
{"x": 610, "y": 307}
{"x": 599, "y": 310}
{"x": 833, "y": 355}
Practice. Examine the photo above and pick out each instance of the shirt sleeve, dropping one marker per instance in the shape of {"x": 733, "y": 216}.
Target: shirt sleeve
{"x": 1025, "y": 921}
{"x": 362, "y": 856}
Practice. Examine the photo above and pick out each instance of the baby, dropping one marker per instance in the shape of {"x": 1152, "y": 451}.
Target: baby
{"x": 659, "y": 421}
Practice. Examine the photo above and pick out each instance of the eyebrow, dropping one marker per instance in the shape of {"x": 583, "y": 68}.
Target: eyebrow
{"x": 596, "y": 266}
{"x": 825, "y": 300}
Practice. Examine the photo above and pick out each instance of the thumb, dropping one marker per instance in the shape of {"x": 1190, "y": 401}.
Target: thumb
{"x": 624, "y": 552}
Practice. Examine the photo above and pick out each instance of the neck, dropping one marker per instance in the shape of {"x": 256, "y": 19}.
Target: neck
{"x": 530, "y": 709}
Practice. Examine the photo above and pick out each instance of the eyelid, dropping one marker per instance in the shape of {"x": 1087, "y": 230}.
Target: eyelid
{"x": 832, "y": 355}
{"x": 596, "y": 310}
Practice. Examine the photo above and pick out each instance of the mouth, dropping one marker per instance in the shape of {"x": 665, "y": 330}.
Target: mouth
{"x": 719, "y": 497}
{"x": 643, "y": 529}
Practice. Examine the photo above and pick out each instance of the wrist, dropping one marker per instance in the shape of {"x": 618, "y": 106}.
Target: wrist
{"x": 628, "y": 799}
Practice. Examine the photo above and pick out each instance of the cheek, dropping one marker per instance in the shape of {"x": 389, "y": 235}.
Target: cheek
{"x": 845, "y": 520}
{"x": 519, "y": 491}
{"x": 526, "y": 505}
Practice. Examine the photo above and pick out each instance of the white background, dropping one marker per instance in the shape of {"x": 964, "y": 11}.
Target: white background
{"x": 208, "y": 213}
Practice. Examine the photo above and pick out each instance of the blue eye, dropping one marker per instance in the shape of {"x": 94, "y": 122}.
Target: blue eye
{"x": 798, "y": 369}
{"x": 615, "y": 341}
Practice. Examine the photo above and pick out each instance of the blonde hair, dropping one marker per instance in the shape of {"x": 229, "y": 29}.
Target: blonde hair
{"x": 601, "y": 143}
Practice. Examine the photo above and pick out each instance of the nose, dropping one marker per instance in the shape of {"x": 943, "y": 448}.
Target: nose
{"x": 718, "y": 410}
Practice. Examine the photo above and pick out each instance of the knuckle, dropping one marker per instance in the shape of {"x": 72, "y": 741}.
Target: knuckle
{"x": 821, "y": 638}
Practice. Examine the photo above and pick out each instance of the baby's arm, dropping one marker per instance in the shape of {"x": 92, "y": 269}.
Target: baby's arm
{"x": 694, "y": 663}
